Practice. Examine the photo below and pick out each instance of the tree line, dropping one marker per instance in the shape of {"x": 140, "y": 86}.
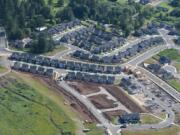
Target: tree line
{"x": 128, "y": 16}
{"x": 22, "y": 17}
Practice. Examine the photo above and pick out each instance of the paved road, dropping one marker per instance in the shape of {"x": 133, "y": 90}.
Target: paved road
{"x": 168, "y": 121}
{"x": 146, "y": 55}
{"x": 71, "y": 48}
{"x": 127, "y": 45}
{"x": 2, "y": 40}
{"x": 166, "y": 87}
{"x": 111, "y": 129}
{"x": 59, "y": 35}
{"x": 167, "y": 38}
{"x": 139, "y": 59}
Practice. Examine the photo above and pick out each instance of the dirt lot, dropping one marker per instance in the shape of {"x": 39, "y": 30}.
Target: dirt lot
{"x": 85, "y": 88}
{"x": 111, "y": 114}
{"x": 125, "y": 99}
{"x": 78, "y": 106}
{"x": 101, "y": 102}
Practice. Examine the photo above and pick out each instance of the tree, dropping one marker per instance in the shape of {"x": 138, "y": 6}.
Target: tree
{"x": 66, "y": 14}
{"x": 164, "y": 60}
{"x": 60, "y": 3}
{"x": 41, "y": 44}
{"x": 175, "y": 3}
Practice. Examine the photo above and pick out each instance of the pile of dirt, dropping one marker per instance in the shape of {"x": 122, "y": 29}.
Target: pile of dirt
{"x": 85, "y": 88}
{"x": 111, "y": 114}
{"x": 81, "y": 110}
{"x": 101, "y": 102}
{"x": 125, "y": 99}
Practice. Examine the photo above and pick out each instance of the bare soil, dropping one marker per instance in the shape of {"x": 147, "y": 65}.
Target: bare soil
{"x": 85, "y": 88}
{"x": 79, "y": 108}
{"x": 111, "y": 114}
{"x": 101, "y": 102}
{"x": 125, "y": 99}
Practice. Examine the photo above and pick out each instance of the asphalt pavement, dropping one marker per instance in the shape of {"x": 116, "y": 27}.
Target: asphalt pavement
{"x": 166, "y": 87}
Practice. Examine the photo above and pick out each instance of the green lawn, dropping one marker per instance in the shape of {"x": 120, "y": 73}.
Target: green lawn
{"x": 173, "y": 54}
{"x": 149, "y": 119}
{"x": 175, "y": 83}
{"x": 26, "y": 111}
{"x": 167, "y": 131}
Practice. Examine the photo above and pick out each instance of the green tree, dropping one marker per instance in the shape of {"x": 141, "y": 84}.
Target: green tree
{"x": 41, "y": 44}
{"x": 60, "y": 3}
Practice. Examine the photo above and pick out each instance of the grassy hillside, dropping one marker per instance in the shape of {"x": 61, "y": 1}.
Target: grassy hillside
{"x": 167, "y": 131}
{"x": 27, "y": 111}
{"x": 2, "y": 69}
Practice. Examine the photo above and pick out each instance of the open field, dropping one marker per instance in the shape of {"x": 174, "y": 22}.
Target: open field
{"x": 167, "y": 131}
{"x": 101, "y": 102}
{"x": 149, "y": 119}
{"x": 2, "y": 69}
{"x": 93, "y": 129}
{"x": 24, "y": 110}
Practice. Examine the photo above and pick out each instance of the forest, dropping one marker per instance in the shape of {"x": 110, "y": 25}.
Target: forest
{"x": 21, "y": 17}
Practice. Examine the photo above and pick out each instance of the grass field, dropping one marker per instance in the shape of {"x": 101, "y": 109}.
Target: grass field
{"x": 150, "y": 61}
{"x": 177, "y": 65}
{"x": 175, "y": 83}
{"x": 149, "y": 119}
{"x": 167, "y": 131}
{"x": 27, "y": 111}
{"x": 93, "y": 130}
{"x": 2, "y": 69}
{"x": 173, "y": 54}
